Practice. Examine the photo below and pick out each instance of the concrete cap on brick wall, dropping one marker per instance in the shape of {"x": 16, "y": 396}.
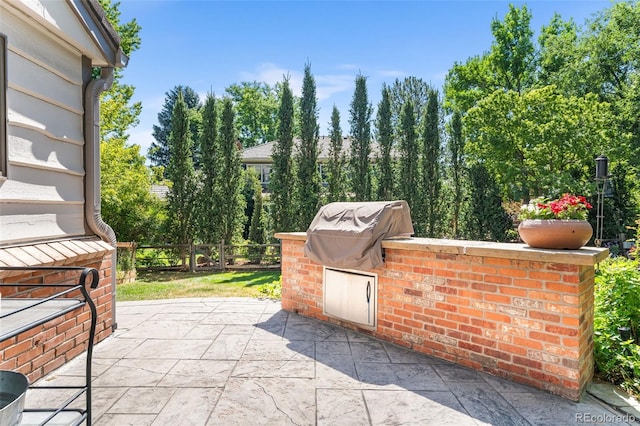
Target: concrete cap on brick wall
{"x": 63, "y": 252}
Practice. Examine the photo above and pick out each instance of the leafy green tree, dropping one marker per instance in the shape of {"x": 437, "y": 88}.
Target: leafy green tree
{"x": 282, "y": 175}
{"x": 159, "y": 151}
{"x": 182, "y": 192}
{"x": 359, "y": 162}
{"x": 485, "y": 217}
{"x": 465, "y": 84}
{"x": 557, "y": 53}
{"x": 230, "y": 177}
{"x": 308, "y": 187}
{"x": 456, "y": 168}
{"x": 336, "y": 177}
{"x": 256, "y": 106}
{"x": 509, "y": 64}
{"x": 127, "y": 205}
{"x": 536, "y": 120}
{"x": 609, "y": 58}
{"x": 117, "y": 114}
{"x": 512, "y": 53}
{"x": 129, "y": 32}
{"x": 209, "y": 198}
{"x": 385, "y": 162}
{"x": 430, "y": 167}
{"x": 538, "y": 142}
{"x": 409, "y": 155}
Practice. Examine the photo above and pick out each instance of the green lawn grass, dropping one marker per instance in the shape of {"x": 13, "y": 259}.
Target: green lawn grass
{"x": 171, "y": 284}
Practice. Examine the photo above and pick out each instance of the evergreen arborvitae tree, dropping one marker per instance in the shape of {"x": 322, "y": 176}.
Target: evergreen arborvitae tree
{"x": 181, "y": 197}
{"x": 159, "y": 151}
{"x": 208, "y": 201}
{"x": 431, "y": 183}
{"x": 308, "y": 188}
{"x": 386, "y": 185}
{"x": 360, "y": 122}
{"x": 336, "y": 176}
{"x": 257, "y": 230}
{"x": 409, "y": 155}
{"x": 456, "y": 150}
{"x": 230, "y": 177}
{"x": 282, "y": 177}
{"x": 620, "y": 210}
{"x": 248, "y": 192}
{"x": 412, "y": 89}
{"x": 485, "y": 217}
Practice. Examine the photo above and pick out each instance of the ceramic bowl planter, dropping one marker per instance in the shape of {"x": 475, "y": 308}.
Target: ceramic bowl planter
{"x": 555, "y": 233}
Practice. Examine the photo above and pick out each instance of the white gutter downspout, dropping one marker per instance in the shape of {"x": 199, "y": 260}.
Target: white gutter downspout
{"x": 92, "y": 206}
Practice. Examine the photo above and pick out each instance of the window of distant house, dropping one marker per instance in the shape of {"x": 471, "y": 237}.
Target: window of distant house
{"x": 3, "y": 105}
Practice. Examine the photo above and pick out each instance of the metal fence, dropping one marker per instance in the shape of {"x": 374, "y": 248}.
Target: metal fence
{"x": 199, "y": 257}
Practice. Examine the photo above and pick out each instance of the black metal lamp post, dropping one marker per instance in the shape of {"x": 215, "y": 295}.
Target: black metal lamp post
{"x": 602, "y": 167}
{"x": 602, "y": 175}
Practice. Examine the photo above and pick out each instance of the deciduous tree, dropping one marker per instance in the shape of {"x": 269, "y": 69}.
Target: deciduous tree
{"x": 509, "y": 65}
{"x": 127, "y": 205}
{"x": 539, "y": 142}
{"x": 256, "y": 107}
{"x": 512, "y": 52}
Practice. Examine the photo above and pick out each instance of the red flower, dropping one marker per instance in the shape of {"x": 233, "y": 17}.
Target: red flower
{"x": 568, "y": 206}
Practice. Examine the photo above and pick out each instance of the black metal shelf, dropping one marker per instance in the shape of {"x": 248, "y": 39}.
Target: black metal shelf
{"x": 18, "y": 315}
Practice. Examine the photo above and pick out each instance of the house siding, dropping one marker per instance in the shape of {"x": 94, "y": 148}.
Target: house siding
{"x": 43, "y": 195}
{"x": 49, "y": 202}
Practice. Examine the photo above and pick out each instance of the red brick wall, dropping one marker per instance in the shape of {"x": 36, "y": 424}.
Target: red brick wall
{"x": 39, "y": 351}
{"x": 509, "y": 314}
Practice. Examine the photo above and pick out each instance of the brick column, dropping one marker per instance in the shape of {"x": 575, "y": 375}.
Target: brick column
{"x": 516, "y": 312}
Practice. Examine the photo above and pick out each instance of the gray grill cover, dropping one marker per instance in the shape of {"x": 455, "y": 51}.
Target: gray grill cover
{"x": 349, "y": 235}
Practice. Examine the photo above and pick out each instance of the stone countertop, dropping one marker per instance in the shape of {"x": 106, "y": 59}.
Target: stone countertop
{"x": 583, "y": 256}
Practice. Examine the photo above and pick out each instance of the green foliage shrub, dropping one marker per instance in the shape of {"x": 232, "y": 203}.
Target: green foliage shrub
{"x": 125, "y": 261}
{"x": 272, "y": 290}
{"x": 617, "y": 302}
{"x": 157, "y": 257}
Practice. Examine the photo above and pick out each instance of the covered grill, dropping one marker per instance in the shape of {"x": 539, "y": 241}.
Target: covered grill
{"x": 349, "y": 235}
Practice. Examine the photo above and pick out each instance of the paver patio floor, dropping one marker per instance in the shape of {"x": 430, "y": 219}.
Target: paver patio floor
{"x": 233, "y": 361}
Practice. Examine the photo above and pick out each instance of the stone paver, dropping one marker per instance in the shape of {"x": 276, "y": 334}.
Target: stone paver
{"x": 246, "y": 362}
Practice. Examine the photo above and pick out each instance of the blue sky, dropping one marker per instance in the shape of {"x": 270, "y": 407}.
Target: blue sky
{"x": 211, "y": 44}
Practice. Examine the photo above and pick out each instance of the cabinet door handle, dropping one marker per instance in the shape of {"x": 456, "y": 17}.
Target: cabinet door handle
{"x": 368, "y": 291}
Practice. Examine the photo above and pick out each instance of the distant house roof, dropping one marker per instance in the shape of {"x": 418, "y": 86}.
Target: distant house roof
{"x": 159, "y": 191}
{"x": 262, "y": 153}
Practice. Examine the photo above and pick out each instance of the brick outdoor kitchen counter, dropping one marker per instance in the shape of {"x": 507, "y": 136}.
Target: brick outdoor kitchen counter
{"x": 513, "y": 311}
